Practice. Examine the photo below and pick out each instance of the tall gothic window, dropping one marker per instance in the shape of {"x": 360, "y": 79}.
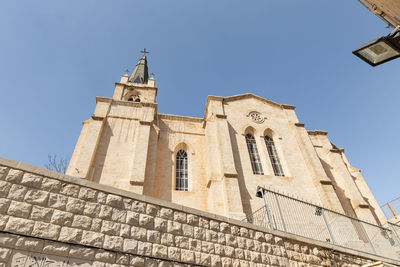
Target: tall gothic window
{"x": 273, "y": 156}
{"x": 181, "y": 171}
{"x": 253, "y": 153}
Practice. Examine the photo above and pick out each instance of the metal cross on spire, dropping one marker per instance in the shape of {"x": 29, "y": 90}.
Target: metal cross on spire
{"x": 144, "y": 52}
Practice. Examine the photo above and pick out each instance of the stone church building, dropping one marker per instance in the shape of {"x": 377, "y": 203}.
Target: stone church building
{"x": 214, "y": 163}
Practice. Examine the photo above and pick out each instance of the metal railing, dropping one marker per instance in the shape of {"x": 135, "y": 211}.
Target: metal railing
{"x": 392, "y": 208}
{"x": 298, "y": 217}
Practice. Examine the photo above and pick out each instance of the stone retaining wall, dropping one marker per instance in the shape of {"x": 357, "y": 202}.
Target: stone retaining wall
{"x": 50, "y": 219}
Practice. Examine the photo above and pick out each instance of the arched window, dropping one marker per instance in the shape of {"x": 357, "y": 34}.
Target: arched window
{"x": 181, "y": 171}
{"x": 253, "y": 153}
{"x": 273, "y": 156}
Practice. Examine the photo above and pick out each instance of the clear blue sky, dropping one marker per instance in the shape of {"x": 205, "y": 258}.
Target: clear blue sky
{"x": 56, "y": 56}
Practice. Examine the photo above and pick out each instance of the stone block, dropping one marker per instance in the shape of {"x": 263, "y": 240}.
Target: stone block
{"x": 46, "y": 230}
{"x": 192, "y": 219}
{"x": 167, "y": 239}
{"x": 72, "y": 235}
{"x": 101, "y": 197}
{"x": 19, "y": 225}
{"x": 180, "y": 217}
{"x": 194, "y": 244}
{"x": 82, "y": 252}
{"x": 19, "y": 209}
{"x": 56, "y": 248}
{"x": 70, "y": 190}
{"x": 41, "y": 214}
{"x": 160, "y": 251}
{"x": 92, "y": 238}
{"x": 37, "y": 197}
{"x": 122, "y": 259}
{"x": 57, "y": 201}
{"x": 138, "y": 233}
{"x": 114, "y": 201}
{"x": 4, "y": 254}
{"x": 62, "y": 218}
{"x": 127, "y": 203}
{"x": 17, "y": 192}
{"x": 160, "y": 224}
{"x": 105, "y": 212}
{"x": 96, "y": 225}
{"x": 110, "y": 228}
{"x": 187, "y": 230}
{"x": 3, "y": 172}
{"x": 29, "y": 244}
{"x": 207, "y": 247}
{"x": 152, "y": 210}
{"x": 154, "y": 237}
{"x": 145, "y": 248}
{"x": 91, "y": 209}
{"x": 225, "y": 228}
{"x": 50, "y": 185}
{"x": 14, "y": 176}
{"x": 4, "y": 204}
{"x": 136, "y": 261}
{"x": 199, "y": 233}
{"x": 182, "y": 242}
{"x": 87, "y": 194}
{"x": 75, "y": 205}
{"x": 118, "y": 215}
{"x": 4, "y": 188}
{"x": 205, "y": 259}
{"x": 113, "y": 242}
{"x": 31, "y": 180}
{"x": 214, "y": 225}
{"x": 174, "y": 253}
{"x": 132, "y": 218}
{"x": 174, "y": 228}
{"x": 138, "y": 206}
{"x": 187, "y": 256}
{"x": 82, "y": 222}
{"x": 105, "y": 256}
{"x": 211, "y": 236}
{"x": 146, "y": 221}
{"x": 125, "y": 230}
{"x": 166, "y": 213}
{"x": 3, "y": 221}
{"x": 7, "y": 240}
{"x": 204, "y": 223}
{"x": 216, "y": 261}
{"x": 130, "y": 245}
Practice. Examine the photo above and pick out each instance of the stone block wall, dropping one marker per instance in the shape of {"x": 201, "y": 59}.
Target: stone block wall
{"x": 49, "y": 219}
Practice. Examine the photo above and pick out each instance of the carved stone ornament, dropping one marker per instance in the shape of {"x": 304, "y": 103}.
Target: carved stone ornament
{"x": 256, "y": 117}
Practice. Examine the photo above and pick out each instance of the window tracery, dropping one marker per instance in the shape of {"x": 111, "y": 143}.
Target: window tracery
{"x": 181, "y": 171}
{"x": 253, "y": 154}
{"x": 273, "y": 156}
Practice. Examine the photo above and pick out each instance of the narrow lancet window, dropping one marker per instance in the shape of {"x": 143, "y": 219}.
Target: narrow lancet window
{"x": 181, "y": 171}
{"x": 253, "y": 153}
{"x": 273, "y": 156}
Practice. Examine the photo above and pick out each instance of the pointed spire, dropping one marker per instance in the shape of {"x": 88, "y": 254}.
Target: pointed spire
{"x": 141, "y": 73}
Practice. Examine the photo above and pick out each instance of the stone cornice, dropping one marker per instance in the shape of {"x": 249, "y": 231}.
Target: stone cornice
{"x": 137, "y": 85}
{"x": 178, "y": 117}
{"x": 125, "y": 103}
{"x": 317, "y": 132}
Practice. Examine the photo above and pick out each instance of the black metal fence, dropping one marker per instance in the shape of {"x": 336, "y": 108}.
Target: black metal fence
{"x": 298, "y": 217}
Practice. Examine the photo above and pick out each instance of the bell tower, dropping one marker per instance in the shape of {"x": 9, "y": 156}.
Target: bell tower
{"x": 115, "y": 143}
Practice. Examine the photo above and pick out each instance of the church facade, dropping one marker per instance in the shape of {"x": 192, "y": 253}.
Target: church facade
{"x": 214, "y": 163}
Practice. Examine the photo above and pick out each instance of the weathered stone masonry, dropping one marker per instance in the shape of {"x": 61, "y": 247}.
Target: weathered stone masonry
{"x": 46, "y": 214}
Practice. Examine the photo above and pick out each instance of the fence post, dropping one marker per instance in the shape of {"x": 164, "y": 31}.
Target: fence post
{"x": 366, "y": 234}
{"x": 280, "y": 212}
{"x": 267, "y": 211}
{"x": 327, "y": 226}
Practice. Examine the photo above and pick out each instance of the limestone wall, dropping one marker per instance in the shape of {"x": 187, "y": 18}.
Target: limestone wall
{"x": 49, "y": 219}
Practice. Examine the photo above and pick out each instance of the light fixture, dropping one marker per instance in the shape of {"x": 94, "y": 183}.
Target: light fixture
{"x": 380, "y": 50}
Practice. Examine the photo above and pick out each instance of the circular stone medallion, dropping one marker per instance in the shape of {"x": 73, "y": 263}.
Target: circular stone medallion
{"x": 256, "y": 117}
